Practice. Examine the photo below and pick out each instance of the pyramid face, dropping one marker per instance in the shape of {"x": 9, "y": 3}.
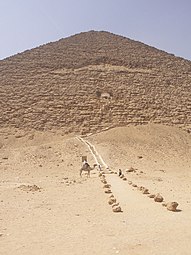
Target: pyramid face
{"x": 92, "y": 81}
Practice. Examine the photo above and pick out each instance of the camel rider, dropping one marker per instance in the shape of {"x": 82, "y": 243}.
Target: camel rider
{"x": 85, "y": 164}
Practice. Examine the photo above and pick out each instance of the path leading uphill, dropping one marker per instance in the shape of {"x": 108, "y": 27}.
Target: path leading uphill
{"x": 130, "y": 199}
{"x": 150, "y": 225}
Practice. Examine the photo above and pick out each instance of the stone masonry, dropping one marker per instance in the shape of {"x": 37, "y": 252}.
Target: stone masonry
{"x": 92, "y": 81}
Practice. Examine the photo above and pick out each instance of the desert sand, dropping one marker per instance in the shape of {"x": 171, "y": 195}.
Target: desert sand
{"x": 47, "y": 208}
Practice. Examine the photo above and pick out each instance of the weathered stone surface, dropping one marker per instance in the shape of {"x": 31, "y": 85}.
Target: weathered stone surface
{"x": 59, "y": 85}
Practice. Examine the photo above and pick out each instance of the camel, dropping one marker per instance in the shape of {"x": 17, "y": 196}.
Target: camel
{"x": 88, "y": 168}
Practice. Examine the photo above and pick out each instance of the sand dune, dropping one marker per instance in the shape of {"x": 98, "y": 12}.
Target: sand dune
{"x": 46, "y": 208}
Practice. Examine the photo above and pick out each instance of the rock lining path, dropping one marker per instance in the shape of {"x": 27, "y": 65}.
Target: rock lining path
{"x": 130, "y": 199}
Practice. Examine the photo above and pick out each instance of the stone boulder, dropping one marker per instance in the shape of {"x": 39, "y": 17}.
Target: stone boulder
{"x": 141, "y": 188}
{"x": 112, "y": 201}
{"x": 115, "y": 205}
{"x": 130, "y": 170}
{"x": 151, "y": 196}
{"x": 107, "y": 186}
{"x": 108, "y": 191}
{"x": 158, "y": 198}
{"x": 117, "y": 209}
{"x": 171, "y": 206}
{"x": 145, "y": 191}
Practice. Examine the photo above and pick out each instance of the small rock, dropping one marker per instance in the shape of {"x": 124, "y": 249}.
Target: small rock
{"x": 117, "y": 209}
{"x": 124, "y": 178}
{"x": 158, "y": 198}
{"x": 29, "y": 188}
{"x": 130, "y": 170}
{"x": 151, "y": 196}
{"x": 171, "y": 206}
{"x": 108, "y": 191}
{"x": 18, "y": 136}
{"x": 115, "y": 205}
{"x": 106, "y": 186}
{"x": 145, "y": 191}
{"x": 140, "y": 188}
{"x": 112, "y": 201}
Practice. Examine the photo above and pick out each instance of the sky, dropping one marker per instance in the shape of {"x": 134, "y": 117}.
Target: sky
{"x": 164, "y": 24}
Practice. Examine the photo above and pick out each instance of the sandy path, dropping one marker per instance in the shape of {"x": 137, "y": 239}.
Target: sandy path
{"x": 71, "y": 215}
{"x": 97, "y": 157}
{"x": 150, "y": 222}
{"x": 151, "y": 228}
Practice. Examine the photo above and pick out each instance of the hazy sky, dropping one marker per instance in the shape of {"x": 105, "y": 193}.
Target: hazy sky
{"x": 164, "y": 24}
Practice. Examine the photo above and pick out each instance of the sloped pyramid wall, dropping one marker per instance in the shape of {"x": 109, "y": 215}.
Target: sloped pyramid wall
{"x": 92, "y": 81}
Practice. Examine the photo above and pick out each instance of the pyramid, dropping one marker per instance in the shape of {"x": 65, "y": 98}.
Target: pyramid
{"x": 94, "y": 81}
